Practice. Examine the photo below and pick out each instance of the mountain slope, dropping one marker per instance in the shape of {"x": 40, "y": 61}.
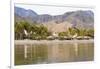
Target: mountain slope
{"x": 24, "y": 13}
{"x": 79, "y": 19}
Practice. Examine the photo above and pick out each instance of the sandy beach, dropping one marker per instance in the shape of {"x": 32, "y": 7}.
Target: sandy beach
{"x": 51, "y": 41}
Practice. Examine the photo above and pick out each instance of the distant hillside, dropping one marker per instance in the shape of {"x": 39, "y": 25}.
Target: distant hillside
{"x": 57, "y": 27}
{"x": 79, "y": 19}
{"x": 24, "y": 13}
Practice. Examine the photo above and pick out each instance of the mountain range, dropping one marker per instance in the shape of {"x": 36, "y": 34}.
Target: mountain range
{"x": 79, "y": 18}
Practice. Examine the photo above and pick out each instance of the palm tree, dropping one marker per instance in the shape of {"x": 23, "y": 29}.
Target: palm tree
{"x": 18, "y": 31}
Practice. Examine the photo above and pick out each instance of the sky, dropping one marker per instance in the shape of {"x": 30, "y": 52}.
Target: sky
{"x": 51, "y": 10}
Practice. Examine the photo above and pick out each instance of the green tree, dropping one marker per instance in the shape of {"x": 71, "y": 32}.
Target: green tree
{"x": 90, "y": 32}
{"x": 61, "y": 34}
{"x": 18, "y": 31}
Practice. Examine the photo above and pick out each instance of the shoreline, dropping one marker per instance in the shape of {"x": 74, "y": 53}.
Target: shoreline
{"x": 51, "y": 41}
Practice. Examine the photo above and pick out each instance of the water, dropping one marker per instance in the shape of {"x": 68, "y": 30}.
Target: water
{"x": 40, "y": 53}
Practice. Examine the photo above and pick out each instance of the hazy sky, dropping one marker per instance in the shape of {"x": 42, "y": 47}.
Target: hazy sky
{"x": 51, "y": 10}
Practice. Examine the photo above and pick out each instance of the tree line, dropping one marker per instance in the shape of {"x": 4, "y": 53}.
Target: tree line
{"x": 35, "y": 31}
{"x": 79, "y": 32}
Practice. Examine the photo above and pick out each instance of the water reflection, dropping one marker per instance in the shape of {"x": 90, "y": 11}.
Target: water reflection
{"x": 76, "y": 48}
{"x": 53, "y": 52}
{"x": 25, "y": 51}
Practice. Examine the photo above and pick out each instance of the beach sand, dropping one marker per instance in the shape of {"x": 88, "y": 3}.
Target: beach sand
{"x": 51, "y": 41}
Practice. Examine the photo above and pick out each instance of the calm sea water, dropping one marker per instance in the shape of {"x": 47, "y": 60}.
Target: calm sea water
{"x": 40, "y": 53}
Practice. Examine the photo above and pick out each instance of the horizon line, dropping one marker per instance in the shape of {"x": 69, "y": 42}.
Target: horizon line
{"x": 53, "y": 8}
